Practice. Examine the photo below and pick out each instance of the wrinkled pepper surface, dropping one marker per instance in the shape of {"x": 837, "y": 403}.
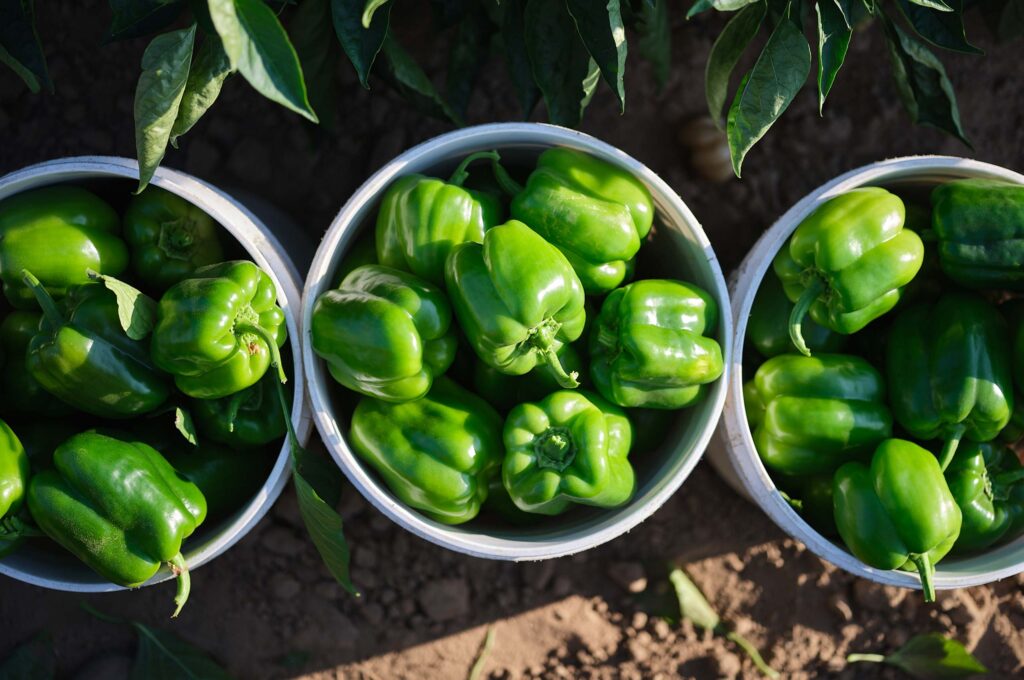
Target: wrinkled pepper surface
{"x": 596, "y": 213}
{"x": 948, "y": 366}
{"x": 217, "y": 331}
{"x": 819, "y": 412}
{"x": 768, "y": 324}
{"x": 16, "y": 332}
{"x": 505, "y": 391}
{"x": 422, "y": 218}
{"x": 570, "y": 447}
{"x": 169, "y": 238}
{"x": 119, "y": 507}
{"x": 14, "y": 480}
{"x": 848, "y": 262}
{"x": 437, "y": 454}
{"x": 58, "y": 233}
{"x": 384, "y": 333}
{"x": 246, "y": 419}
{"x": 517, "y": 299}
{"x": 898, "y": 513}
{"x": 986, "y": 483}
{"x": 84, "y": 358}
{"x": 649, "y": 346}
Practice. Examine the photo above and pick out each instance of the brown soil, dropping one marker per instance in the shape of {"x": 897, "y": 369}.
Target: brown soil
{"x": 269, "y": 608}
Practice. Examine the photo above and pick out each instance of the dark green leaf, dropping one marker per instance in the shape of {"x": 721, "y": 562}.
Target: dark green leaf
{"x": 604, "y": 35}
{"x": 726, "y": 53}
{"x": 934, "y": 4}
{"x": 516, "y": 55}
{"x": 184, "y": 424}
{"x": 135, "y": 310}
{"x": 370, "y": 9}
{"x": 768, "y": 89}
{"x": 165, "y": 66}
{"x": 559, "y": 60}
{"x": 165, "y": 656}
{"x": 922, "y": 82}
{"x": 833, "y": 42}
{"x": 316, "y": 484}
{"x": 260, "y": 50}
{"x": 315, "y": 42}
{"x": 31, "y": 660}
{"x": 934, "y": 656}
{"x": 361, "y": 45}
{"x": 468, "y": 54}
{"x": 20, "y": 48}
{"x": 406, "y": 76}
{"x": 944, "y": 29}
{"x": 656, "y": 39}
{"x": 136, "y": 18}
{"x": 210, "y": 67}
{"x": 719, "y": 5}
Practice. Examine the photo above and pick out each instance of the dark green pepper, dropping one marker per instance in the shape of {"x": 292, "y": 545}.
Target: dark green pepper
{"x": 119, "y": 507}
{"x": 169, "y": 238}
{"x": 58, "y": 233}
{"x": 14, "y": 480}
{"x": 26, "y": 396}
{"x": 384, "y": 333}
{"x": 1013, "y": 312}
{"x": 948, "y": 366}
{"x": 768, "y": 324}
{"x": 504, "y": 391}
{"x": 848, "y": 261}
{"x": 245, "y": 420}
{"x": 982, "y": 479}
{"x": 85, "y": 358}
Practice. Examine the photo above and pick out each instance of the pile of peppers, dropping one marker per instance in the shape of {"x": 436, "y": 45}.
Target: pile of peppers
{"x": 113, "y": 325}
{"x": 506, "y": 355}
{"x": 887, "y": 352}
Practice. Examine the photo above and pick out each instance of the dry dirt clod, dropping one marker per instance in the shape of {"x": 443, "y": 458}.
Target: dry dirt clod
{"x": 446, "y": 599}
{"x": 629, "y": 575}
{"x": 639, "y": 620}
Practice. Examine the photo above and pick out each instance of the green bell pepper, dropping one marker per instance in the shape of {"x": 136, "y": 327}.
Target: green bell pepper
{"x": 848, "y": 261}
{"x": 898, "y": 513}
{"x": 119, "y": 507}
{"x": 58, "y": 233}
{"x": 595, "y": 212}
{"x": 422, "y": 218}
{"x": 517, "y": 300}
{"x": 169, "y": 238}
{"x": 362, "y": 251}
{"x": 948, "y": 367}
{"x": 244, "y": 420}
{"x": 979, "y": 226}
{"x": 26, "y": 397}
{"x": 649, "y": 348}
{"x": 437, "y": 454}
{"x": 571, "y": 447}
{"x": 819, "y": 412}
{"x": 218, "y": 331}
{"x": 753, "y": 407}
{"x": 84, "y": 358}
{"x": 1013, "y": 312}
{"x": 768, "y": 324}
{"x": 504, "y": 391}
{"x": 811, "y": 496}
{"x": 983, "y": 480}
{"x": 384, "y": 333}
{"x": 14, "y": 480}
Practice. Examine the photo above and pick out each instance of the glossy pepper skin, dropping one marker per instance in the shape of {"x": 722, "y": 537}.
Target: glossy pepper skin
{"x": 384, "y": 333}
{"x": 14, "y": 480}
{"x": 517, "y": 299}
{"x": 979, "y": 225}
{"x": 16, "y": 331}
{"x": 596, "y": 213}
{"x": 437, "y": 454}
{"x": 986, "y": 483}
{"x": 570, "y": 447}
{"x": 505, "y": 391}
{"x": 58, "y": 233}
{"x": 84, "y": 358}
{"x": 948, "y": 366}
{"x": 119, "y": 507}
{"x": 898, "y": 513}
{"x": 649, "y": 346}
{"x": 245, "y": 420}
{"x": 169, "y": 238}
{"x": 768, "y": 324}
{"x": 217, "y": 331}
{"x": 422, "y": 218}
{"x": 848, "y": 262}
{"x": 818, "y": 412}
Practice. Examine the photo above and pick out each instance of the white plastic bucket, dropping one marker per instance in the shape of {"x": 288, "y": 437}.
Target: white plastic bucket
{"x": 62, "y": 571}
{"x": 732, "y": 452}
{"x": 659, "y": 476}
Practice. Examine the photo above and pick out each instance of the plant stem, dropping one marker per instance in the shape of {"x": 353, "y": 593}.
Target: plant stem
{"x": 868, "y": 658}
{"x": 180, "y": 569}
{"x": 462, "y": 173}
{"x": 505, "y": 181}
{"x": 275, "y": 353}
{"x": 751, "y": 651}
{"x": 926, "y": 570}
{"x": 477, "y": 671}
{"x": 796, "y": 317}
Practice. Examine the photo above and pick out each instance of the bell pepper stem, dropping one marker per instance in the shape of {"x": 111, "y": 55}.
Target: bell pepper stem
{"x": 869, "y": 658}
{"x": 505, "y": 181}
{"x": 796, "y": 317}
{"x": 751, "y": 651}
{"x": 180, "y": 570}
{"x": 927, "y": 571}
{"x": 950, "y": 447}
{"x": 275, "y": 353}
{"x": 461, "y": 173}
{"x": 44, "y": 299}
{"x": 543, "y": 340}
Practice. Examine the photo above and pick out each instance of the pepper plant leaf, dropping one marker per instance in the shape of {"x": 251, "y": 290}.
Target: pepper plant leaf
{"x": 210, "y": 68}
{"x": 516, "y": 55}
{"x": 260, "y": 50}
{"x": 164, "y": 656}
{"x": 135, "y": 310}
{"x": 655, "y": 44}
{"x": 767, "y": 90}
{"x": 361, "y": 44}
{"x": 165, "y": 67}
{"x": 930, "y": 657}
{"x": 406, "y": 76}
{"x": 20, "y": 48}
{"x": 720, "y": 5}
{"x": 834, "y": 35}
{"x": 312, "y": 32}
{"x": 604, "y": 35}
{"x": 136, "y": 18}
{"x": 560, "y": 61}
{"x": 370, "y": 9}
{"x": 185, "y": 426}
{"x": 943, "y": 29}
{"x": 933, "y": 4}
{"x": 726, "y": 53}
{"x": 31, "y": 660}
{"x": 468, "y": 54}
